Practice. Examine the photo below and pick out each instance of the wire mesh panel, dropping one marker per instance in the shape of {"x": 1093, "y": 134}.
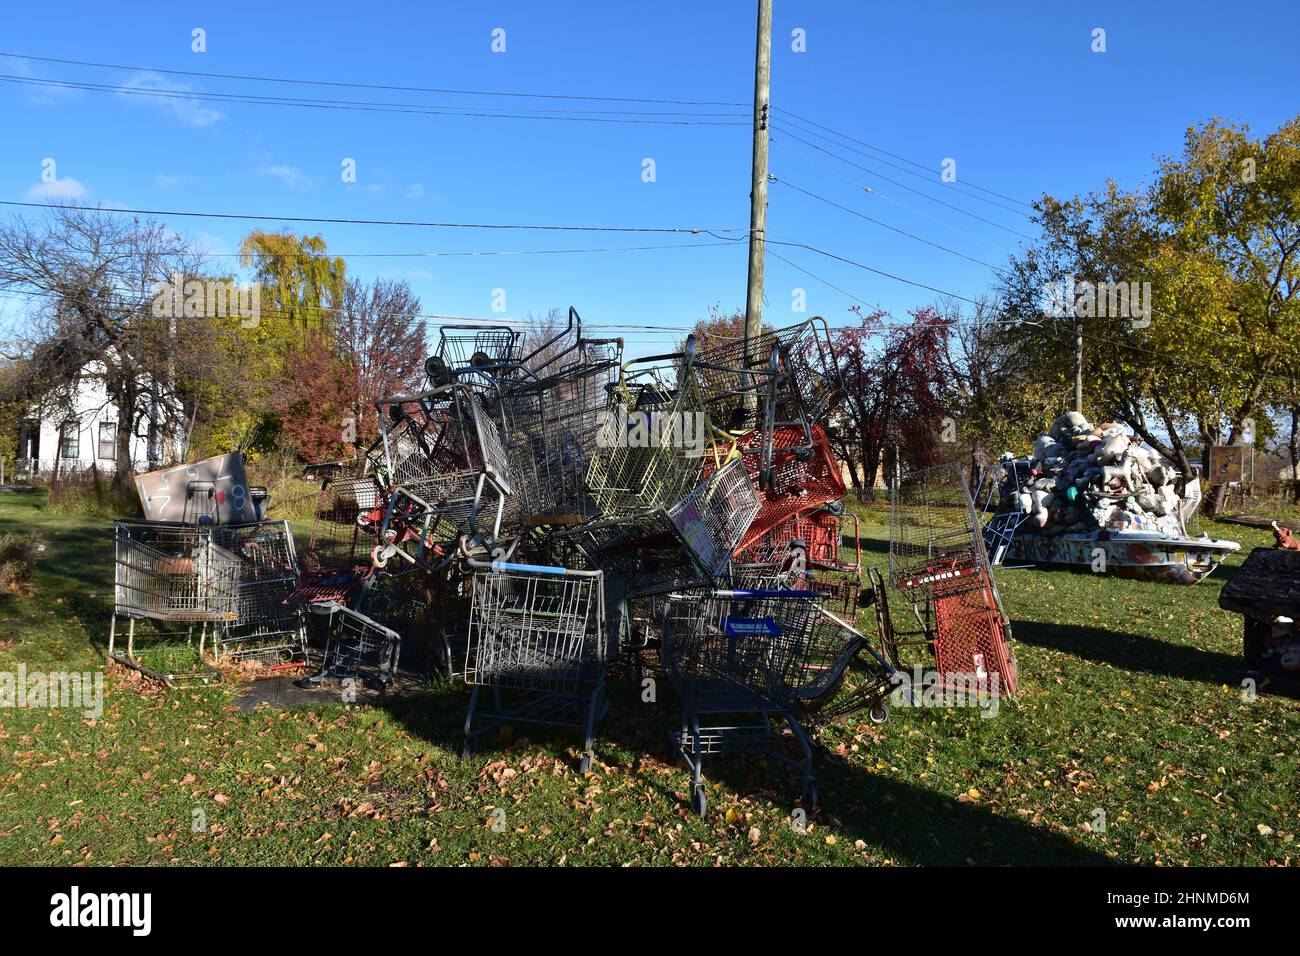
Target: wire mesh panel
{"x": 349, "y": 510}
{"x": 172, "y": 572}
{"x": 269, "y": 627}
{"x": 688, "y": 544}
{"x": 535, "y": 630}
{"x": 971, "y": 636}
{"x": 650, "y": 452}
{"x": 937, "y": 558}
{"x": 932, "y": 524}
{"x": 539, "y": 630}
{"x": 269, "y": 624}
{"x": 555, "y": 426}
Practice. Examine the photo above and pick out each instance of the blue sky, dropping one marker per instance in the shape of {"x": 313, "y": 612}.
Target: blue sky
{"x": 1011, "y": 91}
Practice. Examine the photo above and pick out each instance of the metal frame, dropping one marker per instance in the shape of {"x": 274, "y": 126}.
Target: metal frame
{"x": 538, "y": 631}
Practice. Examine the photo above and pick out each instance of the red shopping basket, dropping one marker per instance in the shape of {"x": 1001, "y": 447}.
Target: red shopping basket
{"x": 803, "y": 479}
{"x": 970, "y": 638}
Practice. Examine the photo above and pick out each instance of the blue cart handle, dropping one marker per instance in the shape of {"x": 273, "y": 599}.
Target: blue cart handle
{"x": 532, "y": 569}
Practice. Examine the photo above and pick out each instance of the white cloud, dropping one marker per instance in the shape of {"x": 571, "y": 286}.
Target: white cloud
{"x": 166, "y": 96}
{"x": 291, "y": 176}
{"x": 415, "y": 191}
{"x": 60, "y": 190}
{"x": 170, "y": 181}
{"x": 43, "y": 95}
{"x": 208, "y": 244}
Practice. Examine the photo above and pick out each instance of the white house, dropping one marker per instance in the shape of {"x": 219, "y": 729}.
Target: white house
{"x": 74, "y": 429}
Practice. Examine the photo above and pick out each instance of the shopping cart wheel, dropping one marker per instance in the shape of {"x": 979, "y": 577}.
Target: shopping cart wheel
{"x": 810, "y": 795}
{"x": 700, "y": 800}
{"x": 467, "y": 749}
{"x": 584, "y": 765}
{"x": 879, "y": 714}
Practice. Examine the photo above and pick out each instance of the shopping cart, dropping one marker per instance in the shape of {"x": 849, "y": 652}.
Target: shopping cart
{"x": 269, "y": 625}
{"x": 358, "y": 646}
{"x": 653, "y": 446}
{"x": 938, "y": 562}
{"x": 732, "y": 653}
{"x": 819, "y": 533}
{"x": 555, "y": 423}
{"x": 175, "y": 574}
{"x": 801, "y": 479}
{"x": 480, "y": 348}
{"x": 765, "y": 654}
{"x": 538, "y": 633}
{"x": 447, "y": 469}
{"x": 688, "y": 543}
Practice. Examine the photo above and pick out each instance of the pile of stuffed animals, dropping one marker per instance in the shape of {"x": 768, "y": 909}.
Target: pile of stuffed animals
{"x": 1085, "y": 477}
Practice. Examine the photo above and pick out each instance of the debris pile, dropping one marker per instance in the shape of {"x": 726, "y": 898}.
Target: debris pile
{"x": 1084, "y": 477}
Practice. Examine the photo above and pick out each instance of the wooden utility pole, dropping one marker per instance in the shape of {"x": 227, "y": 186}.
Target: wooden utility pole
{"x": 1078, "y": 364}
{"x": 758, "y": 186}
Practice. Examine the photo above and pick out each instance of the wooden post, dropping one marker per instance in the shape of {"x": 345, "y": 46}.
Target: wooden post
{"x": 758, "y": 181}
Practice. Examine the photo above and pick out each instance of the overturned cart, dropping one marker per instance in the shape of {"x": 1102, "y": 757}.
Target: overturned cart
{"x": 939, "y": 567}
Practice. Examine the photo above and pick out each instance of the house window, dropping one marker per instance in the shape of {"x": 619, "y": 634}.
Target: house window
{"x": 108, "y": 440}
{"x": 71, "y": 441}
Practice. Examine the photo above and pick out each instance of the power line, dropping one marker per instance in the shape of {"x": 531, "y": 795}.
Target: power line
{"x": 250, "y": 217}
{"x": 877, "y": 194}
{"x": 480, "y": 253}
{"x": 885, "y": 225}
{"x": 843, "y": 135}
{"x": 354, "y": 105}
{"x": 369, "y": 86}
{"x": 964, "y": 212}
{"x": 879, "y": 272}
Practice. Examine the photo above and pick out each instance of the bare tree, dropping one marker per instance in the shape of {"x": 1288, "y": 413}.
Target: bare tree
{"x": 93, "y": 276}
{"x": 379, "y": 336}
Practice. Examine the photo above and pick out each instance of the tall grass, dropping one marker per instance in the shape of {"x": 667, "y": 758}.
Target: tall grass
{"x": 92, "y": 495}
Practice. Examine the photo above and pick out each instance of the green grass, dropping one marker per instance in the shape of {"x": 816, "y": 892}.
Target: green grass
{"x": 1129, "y": 704}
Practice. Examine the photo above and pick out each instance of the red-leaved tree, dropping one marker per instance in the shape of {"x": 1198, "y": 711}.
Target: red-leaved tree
{"x": 894, "y": 381}
{"x": 311, "y": 400}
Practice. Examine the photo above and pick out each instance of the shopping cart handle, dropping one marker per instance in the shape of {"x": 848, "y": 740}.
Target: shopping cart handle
{"x": 767, "y": 594}
{"x": 529, "y": 568}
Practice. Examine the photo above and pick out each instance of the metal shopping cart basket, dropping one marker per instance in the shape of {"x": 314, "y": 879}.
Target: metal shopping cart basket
{"x": 688, "y": 543}
{"x": 448, "y": 471}
{"x": 536, "y": 633}
{"x": 269, "y": 626}
{"x": 650, "y": 452}
{"x": 732, "y": 653}
{"x": 173, "y": 574}
{"x": 937, "y": 560}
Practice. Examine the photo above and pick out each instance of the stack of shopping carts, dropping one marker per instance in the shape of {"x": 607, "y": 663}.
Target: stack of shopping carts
{"x": 551, "y": 509}
{"x": 541, "y": 509}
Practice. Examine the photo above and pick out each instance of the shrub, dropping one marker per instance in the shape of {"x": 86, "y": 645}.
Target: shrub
{"x": 18, "y": 554}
